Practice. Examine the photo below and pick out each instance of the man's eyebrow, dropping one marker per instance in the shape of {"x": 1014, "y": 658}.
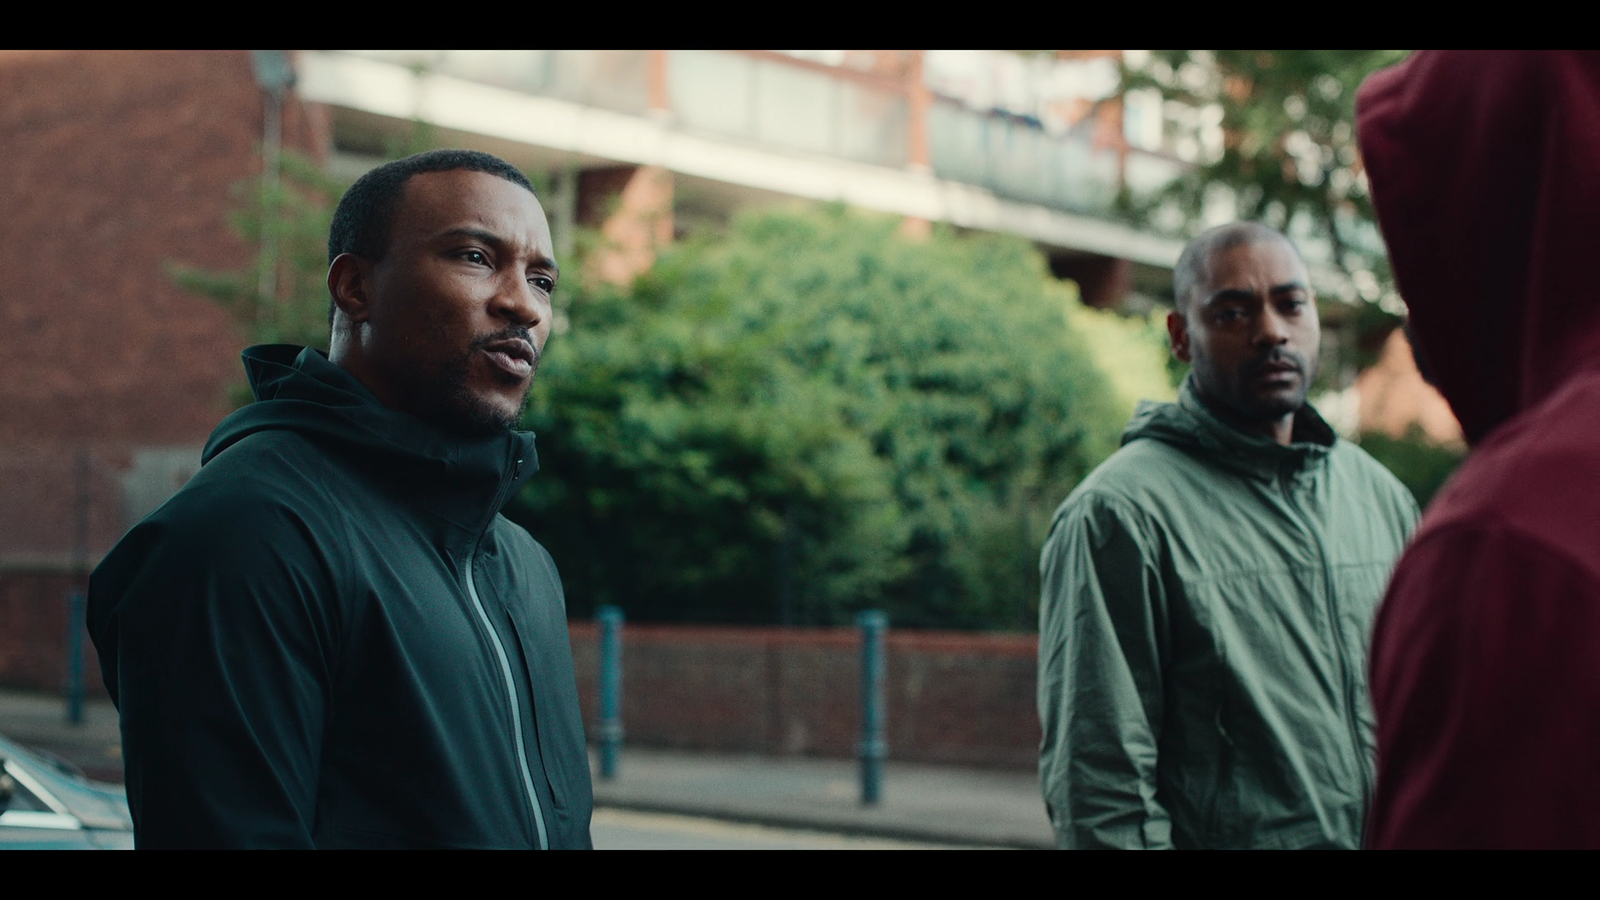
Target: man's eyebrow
{"x": 1229, "y": 295}
{"x": 1241, "y": 295}
{"x": 489, "y": 237}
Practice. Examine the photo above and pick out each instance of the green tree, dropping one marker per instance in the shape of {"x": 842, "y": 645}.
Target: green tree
{"x": 1289, "y": 145}
{"x": 809, "y": 415}
{"x": 284, "y": 213}
{"x": 1288, "y": 153}
{"x": 282, "y": 295}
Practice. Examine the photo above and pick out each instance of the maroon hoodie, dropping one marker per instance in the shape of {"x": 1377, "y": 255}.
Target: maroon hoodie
{"x": 1485, "y": 171}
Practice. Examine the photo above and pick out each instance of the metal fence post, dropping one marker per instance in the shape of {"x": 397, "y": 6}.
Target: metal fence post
{"x": 75, "y": 629}
{"x": 610, "y": 619}
{"x": 874, "y": 749}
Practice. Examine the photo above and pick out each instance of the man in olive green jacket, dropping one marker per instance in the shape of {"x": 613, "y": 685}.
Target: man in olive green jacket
{"x": 1208, "y": 591}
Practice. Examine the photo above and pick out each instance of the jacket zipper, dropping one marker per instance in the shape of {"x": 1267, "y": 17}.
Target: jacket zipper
{"x": 1352, "y": 710}
{"x": 505, "y": 672}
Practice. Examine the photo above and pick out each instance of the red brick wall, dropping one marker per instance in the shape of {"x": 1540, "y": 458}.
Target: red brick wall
{"x": 116, "y": 164}
{"x": 960, "y": 699}
{"x": 113, "y": 165}
{"x": 952, "y": 698}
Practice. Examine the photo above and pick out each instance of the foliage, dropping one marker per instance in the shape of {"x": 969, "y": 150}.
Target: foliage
{"x": 1289, "y": 145}
{"x": 282, "y": 296}
{"x": 1422, "y": 466}
{"x": 1132, "y": 351}
{"x": 810, "y": 415}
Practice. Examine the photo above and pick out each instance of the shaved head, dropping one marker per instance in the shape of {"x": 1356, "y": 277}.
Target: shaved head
{"x": 1246, "y": 322}
{"x": 1194, "y": 264}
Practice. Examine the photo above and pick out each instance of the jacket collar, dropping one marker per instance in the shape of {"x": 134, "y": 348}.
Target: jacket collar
{"x": 1192, "y": 426}
{"x": 462, "y": 480}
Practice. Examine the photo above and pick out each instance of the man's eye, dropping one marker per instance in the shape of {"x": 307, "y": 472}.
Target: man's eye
{"x": 542, "y": 283}
{"x": 1230, "y": 315}
{"x": 476, "y": 257}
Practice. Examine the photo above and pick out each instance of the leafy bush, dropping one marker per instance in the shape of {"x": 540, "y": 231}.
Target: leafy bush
{"x": 1421, "y": 466}
{"x": 810, "y": 415}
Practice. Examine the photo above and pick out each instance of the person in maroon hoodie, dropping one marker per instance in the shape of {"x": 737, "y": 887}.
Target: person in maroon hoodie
{"x": 1485, "y": 172}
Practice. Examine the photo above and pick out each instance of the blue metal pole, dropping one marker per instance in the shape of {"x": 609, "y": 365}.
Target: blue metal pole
{"x": 874, "y": 748}
{"x": 610, "y": 619}
{"x": 75, "y": 629}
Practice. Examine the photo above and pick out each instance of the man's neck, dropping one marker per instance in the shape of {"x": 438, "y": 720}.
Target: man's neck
{"x": 1279, "y": 430}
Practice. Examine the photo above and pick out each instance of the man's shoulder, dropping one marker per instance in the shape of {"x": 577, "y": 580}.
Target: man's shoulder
{"x": 270, "y": 485}
{"x": 1135, "y": 490}
{"x": 1535, "y": 477}
{"x": 520, "y": 544}
{"x": 1361, "y": 471}
{"x": 1142, "y": 471}
{"x": 247, "y": 524}
{"x": 1361, "y": 479}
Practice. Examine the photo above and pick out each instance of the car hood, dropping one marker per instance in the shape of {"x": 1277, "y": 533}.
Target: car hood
{"x": 96, "y": 804}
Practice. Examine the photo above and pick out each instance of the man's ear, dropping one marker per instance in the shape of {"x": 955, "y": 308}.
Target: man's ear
{"x": 1178, "y": 335}
{"x": 349, "y": 284}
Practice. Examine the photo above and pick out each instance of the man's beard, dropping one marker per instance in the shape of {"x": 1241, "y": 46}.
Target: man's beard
{"x": 460, "y": 410}
{"x": 1234, "y": 401}
{"x": 1277, "y": 408}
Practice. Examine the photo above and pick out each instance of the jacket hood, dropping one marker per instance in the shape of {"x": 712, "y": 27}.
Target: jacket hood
{"x": 1188, "y": 425}
{"x": 300, "y": 390}
{"x": 1483, "y": 175}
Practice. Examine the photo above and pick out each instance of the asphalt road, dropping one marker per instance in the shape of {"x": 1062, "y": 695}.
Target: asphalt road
{"x": 620, "y": 829}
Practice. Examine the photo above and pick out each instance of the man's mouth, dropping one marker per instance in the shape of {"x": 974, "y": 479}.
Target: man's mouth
{"x": 1276, "y": 368}
{"x": 512, "y": 355}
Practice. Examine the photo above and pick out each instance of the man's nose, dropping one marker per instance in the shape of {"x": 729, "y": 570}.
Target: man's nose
{"x": 520, "y": 302}
{"x": 1271, "y": 329}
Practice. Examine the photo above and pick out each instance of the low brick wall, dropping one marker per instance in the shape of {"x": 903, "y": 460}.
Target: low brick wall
{"x": 953, "y": 698}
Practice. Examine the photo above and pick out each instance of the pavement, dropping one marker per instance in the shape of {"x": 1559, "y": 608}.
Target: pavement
{"x": 938, "y": 804}
{"x": 934, "y": 804}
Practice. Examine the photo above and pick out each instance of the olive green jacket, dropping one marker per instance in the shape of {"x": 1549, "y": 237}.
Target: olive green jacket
{"x": 1207, "y": 601}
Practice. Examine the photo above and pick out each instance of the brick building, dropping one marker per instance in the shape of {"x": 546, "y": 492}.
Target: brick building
{"x": 113, "y": 165}
{"x": 119, "y": 165}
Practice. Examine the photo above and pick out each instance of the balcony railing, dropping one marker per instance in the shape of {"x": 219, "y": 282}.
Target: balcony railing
{"x": 782, "y": 105}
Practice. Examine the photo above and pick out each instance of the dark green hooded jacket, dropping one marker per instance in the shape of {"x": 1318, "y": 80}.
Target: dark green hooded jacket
{"x": 1207, "y": 601}
{"x": 331, "y": 638}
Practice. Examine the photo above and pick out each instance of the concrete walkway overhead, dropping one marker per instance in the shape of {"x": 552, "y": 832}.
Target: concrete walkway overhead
{"x": 936, "y": 804}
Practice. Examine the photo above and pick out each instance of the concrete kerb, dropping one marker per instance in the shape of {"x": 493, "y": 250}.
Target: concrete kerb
{"x": 954, "y": 806}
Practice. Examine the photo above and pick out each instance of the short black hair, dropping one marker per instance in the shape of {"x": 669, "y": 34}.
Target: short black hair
{"x": 365, "y": 212}
{"x": 1194, "y": 263}
{"x": 361, "y": 223}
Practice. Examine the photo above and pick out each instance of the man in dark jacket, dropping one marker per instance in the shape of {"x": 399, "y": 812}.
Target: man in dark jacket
{"x": 330, "y": 637}
{"x": 1485, "y": 673}
{"x": 1207, "y": 590}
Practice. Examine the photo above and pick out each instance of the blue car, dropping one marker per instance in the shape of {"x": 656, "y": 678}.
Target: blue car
{"x": 44, "y": 805}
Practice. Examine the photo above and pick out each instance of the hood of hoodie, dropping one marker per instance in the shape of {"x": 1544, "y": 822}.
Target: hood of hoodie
{"x": 464, "y": 479}
{"x": 1483, "y": 174}
{"x": 1190, "y": 426}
